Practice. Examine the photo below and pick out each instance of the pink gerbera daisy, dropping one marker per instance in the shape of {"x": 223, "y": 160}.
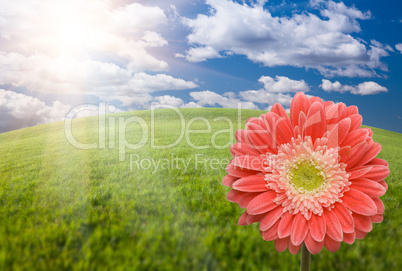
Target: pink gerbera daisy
{"x": 312, "y": 178}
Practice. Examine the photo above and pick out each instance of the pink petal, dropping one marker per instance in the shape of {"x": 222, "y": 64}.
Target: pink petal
{"x": 241, "y": 136}
{"x": 315, "y": 124}
{"x": 282, "y": 132}
{"x": 349, "y": 238}
{"x": 260, "y": 139}
{"x": 242, "y": 219}
{"x": 355, "y": 154}
{"x": 362, "y": 222}
{"x": 378, "y": 161}
{"x": 256, "y": 163}
{"x": 344, "y": 216}
{"x": 370, "y": 154}
{"x": 384, "y": 184}
{"x": 279, "y": 110}
{"x": 253, "y": 183}
{"x": 344, "y": 151}
{"x": 371, "y": 188}
{"x": 352, "y": 110}
{"x": 239, "y": 172}
{"x": 334, "y": 227}
{"x": 336, "y": 113}
{"x": 300, "y": 103}
{"x": 331, "y": 245}
{"x": 302, "y": 121}
{"x": 245, "y": 200}
{"x": 377, "y": 173}
{"x": 234, "y": 195}
{"x": 359, "y": 202}
{"x": 377, "y": 218}
{"x": 360, "y": 234}
{"x": 293, "y": 248}
{"x": 315, "y": 99}
{"x": 355, "y": 137}
{"x": 317, "y": 226}
{"x": 229, "y": 180}
{"x": 285, "y": 225}
{"x": 299, "y": 229}
{"x": 253, "y": 218}
{"x": 356, "y": 122}
{"x": 270, "y": 218}
{"x": 380, "y": 205}
{"x": 271, "y": 233}
{"x": 312, "y": 245}
{"x": 358, "y": 172}
{"x": 338, "y": 133}
{"x": 262, "y": 203}
{"x": 281, "y": 244}
{"x": 239, "y": 149}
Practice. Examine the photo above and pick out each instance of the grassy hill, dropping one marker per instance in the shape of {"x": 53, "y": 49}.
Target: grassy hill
{"x": 114, "y": 207}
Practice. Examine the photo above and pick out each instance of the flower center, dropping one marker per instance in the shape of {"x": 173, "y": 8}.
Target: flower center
{"x": 305, "y": 176}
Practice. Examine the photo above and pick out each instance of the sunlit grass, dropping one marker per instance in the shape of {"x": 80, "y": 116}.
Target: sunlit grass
{"x": 63, "y": 208}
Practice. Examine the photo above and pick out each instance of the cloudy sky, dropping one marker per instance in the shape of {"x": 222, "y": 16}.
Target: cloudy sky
{"x": 55, "y": 55}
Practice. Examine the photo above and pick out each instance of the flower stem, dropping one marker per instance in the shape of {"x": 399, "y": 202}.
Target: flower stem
{"x": 305, "y": 258}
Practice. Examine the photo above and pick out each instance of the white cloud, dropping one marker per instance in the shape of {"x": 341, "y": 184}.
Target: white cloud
{"x": 399, "y": 47}
{"x": 227, "y": 100}
{"x": 95, "y": 48}
{"x": 18, "y": 111}
{"x": 302, "y": 40}
{"x": 283, "y": 84}
{"x": 365, "y": 88}
{"x": 264, "y": 97}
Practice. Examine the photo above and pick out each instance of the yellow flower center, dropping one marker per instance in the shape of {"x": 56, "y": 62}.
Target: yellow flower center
{"x": 306, "y": 176}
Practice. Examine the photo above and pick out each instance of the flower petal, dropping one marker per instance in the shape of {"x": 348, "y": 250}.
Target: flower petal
{"x": 234, "y": 195}
{"x": 359, "y": 202}
{"x": 270, "y": 218}
{"x": 249, "y": 162}
{"x": 371, "y": 188}
{"x": 253, "y": 218}
{"x": 349, "y": 238}
{"x": 239, "y": 172}
{"x": 377, "y": 173}
{"x": 380, "y": 205}
{"x": 281, "y": 244}
{"x": 239, "y": 149}
{"x": 358, "y": 172}
{"x": 317, "y": 226}
{"x": 352, "y": 110}
{"x": 338, "y": 133}
{"x": 260, "y": 138}
{"x": 285, "y": 225}
{"x": 262, "y": 203}
{"x": 362, "y": 222}
{"x": 312, "y": 245}
{"x": 370, "y": 154}
{"x": 279, "y": 110}
{"x": 229, "y": 180}
{"x": 356, "y": 122}
{"x": 334, "y": 114}
{"x": 345, "y": 217}
{"x": 355, "y": 154}
{"x": 300, "y": 103}
{"x": 245, "y": 200}
{"x": 253, "y": 183}
{"x": 377, "y": 218}
{"x": 315, "y": 123}
{"x": 355, "y": 137}
{"x": 360, "y": 234}
{"x": 242, "y": 219}
{"x": 334, "y": 227}
{"x": 299, "y": 229}
{"x": 331, "y": 245}
{"x": 271, "y": 233}
{"x": 293, "y": 248}
{"x": 378, "y": 161}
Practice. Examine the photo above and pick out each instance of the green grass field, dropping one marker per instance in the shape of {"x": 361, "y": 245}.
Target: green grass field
{"x": 64, "y": 208}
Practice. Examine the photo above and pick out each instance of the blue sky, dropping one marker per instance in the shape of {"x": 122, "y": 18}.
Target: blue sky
{"x": 55, "y": 55}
